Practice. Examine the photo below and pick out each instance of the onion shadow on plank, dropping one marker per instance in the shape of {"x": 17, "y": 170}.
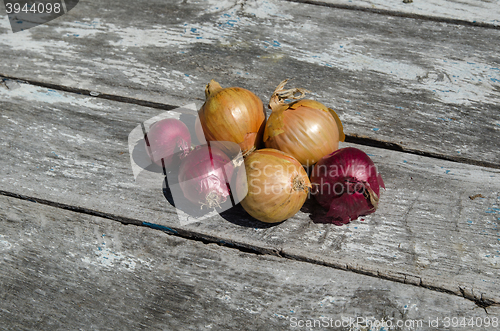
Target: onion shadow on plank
{"x": 238, "y": 216}
{"x": 142, "y": 159}
{"x": 234, "y": 214}
{"x": 174, "y": 196}
{"x": 318, "y": 214}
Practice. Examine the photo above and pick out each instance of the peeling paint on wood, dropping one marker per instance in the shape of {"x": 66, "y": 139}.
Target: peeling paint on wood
{"x": 421, "y": 84}
{"x": 473, "y": 11}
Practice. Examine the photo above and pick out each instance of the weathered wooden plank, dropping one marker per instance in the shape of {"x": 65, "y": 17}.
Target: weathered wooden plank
{"x": 422, "y": 85}
{"x": 479, "y": 12}
{"x": 72, "y": 149}
{"x": 64, "y": 270}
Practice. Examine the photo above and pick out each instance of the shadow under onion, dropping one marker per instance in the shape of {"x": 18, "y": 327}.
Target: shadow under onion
{"x": 238, "y": 216}
{"x": 234, "y": 214}
{"x": 317, "y": 213}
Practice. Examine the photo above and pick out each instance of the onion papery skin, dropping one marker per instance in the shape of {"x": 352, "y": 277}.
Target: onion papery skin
{"x": 204, "y": 176}
{"x": 305, "y": 129}
{"x": 276, "y": 185}
{"x": 168, "y": 139}
{"x": 347, "y": 184}
{"x": 233, "y": 114}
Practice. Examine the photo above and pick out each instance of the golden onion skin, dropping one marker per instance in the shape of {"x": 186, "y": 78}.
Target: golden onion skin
{"x": 276, "y": 185}
{"x": 233, "y": 114}
{"x": 305, "y": 129}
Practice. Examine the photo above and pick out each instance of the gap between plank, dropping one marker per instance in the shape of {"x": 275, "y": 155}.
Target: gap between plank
{"x": 94, "y": 94}
{"x": 387, "y": 12}
{"x": 366, "y": 141}
{"x": 252, "y": 249}
{"x": 353, "y": 138}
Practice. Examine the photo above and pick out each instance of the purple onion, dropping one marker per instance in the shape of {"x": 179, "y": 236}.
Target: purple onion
{"x": 168, "y": 139}
{"x": 204, "y": 176}
{"x": 347, "y": 184}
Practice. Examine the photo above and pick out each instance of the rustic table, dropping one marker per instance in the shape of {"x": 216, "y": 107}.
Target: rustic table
{"x": 84, "y": 246}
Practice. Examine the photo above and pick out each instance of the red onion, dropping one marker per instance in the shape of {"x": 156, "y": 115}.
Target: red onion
{"x": 168, "y": 139}
{"x": 204, "y": 176}
{"x": 347, "y": 184}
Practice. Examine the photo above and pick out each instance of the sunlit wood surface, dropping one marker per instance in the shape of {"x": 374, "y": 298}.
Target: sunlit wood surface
{"x": 87, "y": 246}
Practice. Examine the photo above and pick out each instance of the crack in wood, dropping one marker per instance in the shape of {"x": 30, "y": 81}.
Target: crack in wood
{"x": 353, "y": 138}
{"x": 100, "y": 95}
{"x": 253, "y": 249}
{"x": 479, "y": 301}
{"x": 411, "y": 248}
{"x": 361, "y": 140}
{"x": 387, "y": 12}
{"x": 3, "y": 84}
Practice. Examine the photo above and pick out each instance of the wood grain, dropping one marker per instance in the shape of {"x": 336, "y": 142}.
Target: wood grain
{"x": 72, "y": 149}
{"x": 480, "y": 12}
{"x": 419, "y": 85}
{"x": 65, "y": 270}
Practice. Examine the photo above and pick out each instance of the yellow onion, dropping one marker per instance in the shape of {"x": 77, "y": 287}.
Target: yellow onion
{"x": 276, "y": 185}
{"x": 232, "y": 114}
{"x": 305, "y": 129}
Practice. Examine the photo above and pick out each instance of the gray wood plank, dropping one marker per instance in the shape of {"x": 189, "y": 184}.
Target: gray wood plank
{"x": 71, "y": 149}
{"x": 61, "y": 270}
{"x": 482, "y": 12}
{"x": 424, "y": 86}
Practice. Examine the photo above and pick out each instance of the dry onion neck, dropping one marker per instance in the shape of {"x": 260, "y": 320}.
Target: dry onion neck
{"x": 373, "y": 197}
{"x": 239, "y": 160}
{"x": 250, "y": 151}
{"x": 212, "y": 88}
{"x": 280, "y": 95}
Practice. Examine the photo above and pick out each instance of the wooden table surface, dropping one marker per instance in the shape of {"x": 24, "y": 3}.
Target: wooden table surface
{"x": 86, "y": 246}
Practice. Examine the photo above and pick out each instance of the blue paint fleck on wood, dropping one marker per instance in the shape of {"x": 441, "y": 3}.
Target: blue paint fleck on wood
{"x": 159, "y": 227}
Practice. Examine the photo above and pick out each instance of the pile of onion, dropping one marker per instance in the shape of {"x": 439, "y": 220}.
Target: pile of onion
{"x": 273, "y": 183}
{"x": 305, "y": 129}
{"x": 168, "y": 140}
{"x": 276, "y": 185}
{"x": 232, "y": 114}
{"x": 204, "y": 175}
{"x": 347, "y": 184}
